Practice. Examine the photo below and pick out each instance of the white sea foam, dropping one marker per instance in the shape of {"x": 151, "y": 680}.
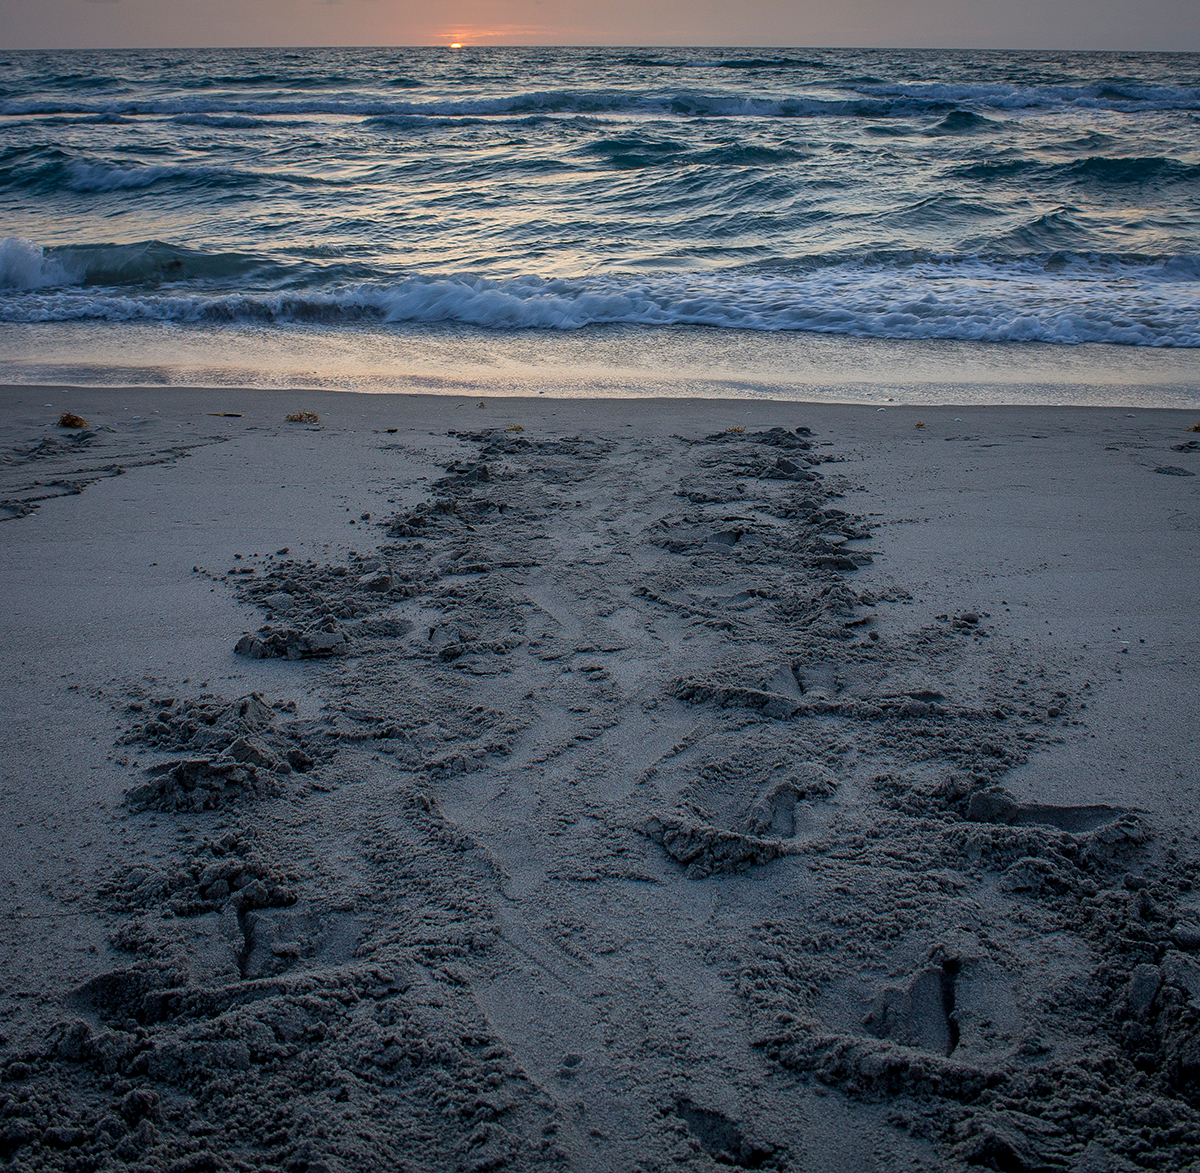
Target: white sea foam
{"x": 971, "y": 299}
{"x": 24, "y": 265}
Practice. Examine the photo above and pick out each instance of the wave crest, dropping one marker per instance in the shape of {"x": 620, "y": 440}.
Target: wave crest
{"x": 1057, "y": 298}
{"x": 24, "y": 265}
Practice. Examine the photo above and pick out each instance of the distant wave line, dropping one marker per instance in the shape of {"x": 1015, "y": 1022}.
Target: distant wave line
{"x": 862, "y": 101}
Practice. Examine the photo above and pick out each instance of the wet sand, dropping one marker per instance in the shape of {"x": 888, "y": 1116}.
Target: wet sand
{"x": 600, "y": 785}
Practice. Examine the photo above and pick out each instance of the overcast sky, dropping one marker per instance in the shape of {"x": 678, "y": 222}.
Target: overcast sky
{"x": 1032, "y": 24}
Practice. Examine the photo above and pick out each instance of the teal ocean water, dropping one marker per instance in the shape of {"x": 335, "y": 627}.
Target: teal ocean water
{"x": 987, "y": 197}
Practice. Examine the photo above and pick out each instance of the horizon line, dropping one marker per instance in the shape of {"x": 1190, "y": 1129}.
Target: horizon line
{"x": 464, "y": 46}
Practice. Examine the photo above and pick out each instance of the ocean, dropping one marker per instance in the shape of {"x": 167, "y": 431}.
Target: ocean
{"x": 316, "y": 215}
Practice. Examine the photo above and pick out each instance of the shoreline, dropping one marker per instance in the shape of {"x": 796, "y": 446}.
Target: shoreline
{"x": 599, "y": 362}
{"x": 653, "y": 798}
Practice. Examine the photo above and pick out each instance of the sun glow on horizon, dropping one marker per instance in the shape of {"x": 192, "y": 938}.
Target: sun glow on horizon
{"x": 477, "y": 36}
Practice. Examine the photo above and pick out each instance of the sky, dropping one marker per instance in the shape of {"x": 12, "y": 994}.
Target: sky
{"x": 1172, "y": 25}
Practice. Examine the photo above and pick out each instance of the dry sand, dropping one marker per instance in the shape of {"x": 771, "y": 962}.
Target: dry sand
{"x": 624, "y": 793}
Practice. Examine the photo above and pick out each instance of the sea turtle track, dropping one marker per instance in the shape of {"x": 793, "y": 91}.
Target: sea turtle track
{"x": 634, "y": 820}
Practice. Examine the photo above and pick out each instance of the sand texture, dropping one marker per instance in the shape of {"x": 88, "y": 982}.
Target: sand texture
{"x": 451, "y": 784}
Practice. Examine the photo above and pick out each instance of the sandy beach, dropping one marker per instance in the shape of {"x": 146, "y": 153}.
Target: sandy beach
{"x": 460, "y": 783}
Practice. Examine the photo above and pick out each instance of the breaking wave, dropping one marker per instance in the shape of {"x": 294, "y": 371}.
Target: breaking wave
{"x": 1053, "y": 298}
